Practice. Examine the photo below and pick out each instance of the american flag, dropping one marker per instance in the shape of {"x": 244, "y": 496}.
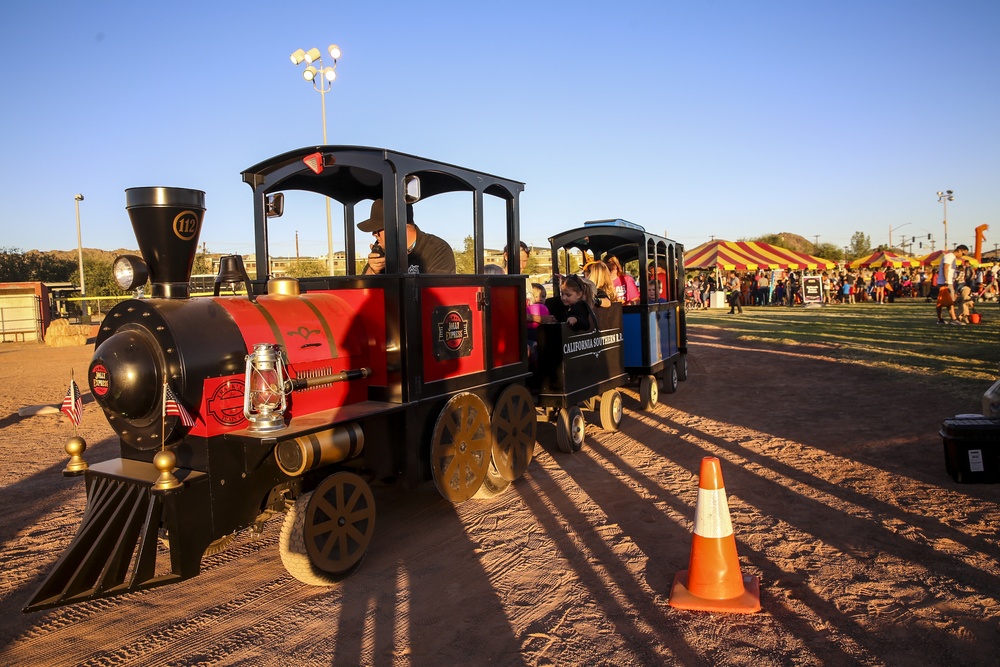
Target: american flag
{"x": 72, "y": 405}
{"x": 171, "y": 406}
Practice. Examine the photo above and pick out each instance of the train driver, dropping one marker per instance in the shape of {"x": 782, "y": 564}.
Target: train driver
{"x": 426, "y": 253}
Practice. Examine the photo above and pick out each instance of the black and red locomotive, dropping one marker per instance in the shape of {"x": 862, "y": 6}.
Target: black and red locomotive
{"x": 300, "y": 390}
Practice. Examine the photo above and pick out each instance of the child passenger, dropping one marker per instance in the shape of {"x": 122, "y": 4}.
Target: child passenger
{"x": 577, "y": 296}
{"x": 537, "y": 312}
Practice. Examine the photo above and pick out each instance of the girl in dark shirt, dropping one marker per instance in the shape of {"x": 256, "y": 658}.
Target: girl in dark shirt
{"x": 577, "y": 297}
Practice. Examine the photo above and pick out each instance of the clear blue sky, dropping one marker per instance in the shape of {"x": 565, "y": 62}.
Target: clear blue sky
{"x": 698, "y": 119}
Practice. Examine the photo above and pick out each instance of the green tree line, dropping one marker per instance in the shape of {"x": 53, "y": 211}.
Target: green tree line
{"x": 33, "y": 266}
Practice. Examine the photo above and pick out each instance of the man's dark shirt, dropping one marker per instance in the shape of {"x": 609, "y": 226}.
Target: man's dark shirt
{"x": 431, "y": 254}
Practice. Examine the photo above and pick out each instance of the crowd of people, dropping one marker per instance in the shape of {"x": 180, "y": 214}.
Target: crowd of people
{"x": 846, "y": 286}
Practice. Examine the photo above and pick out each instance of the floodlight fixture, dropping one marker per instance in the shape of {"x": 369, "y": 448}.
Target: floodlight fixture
{"x": 322, "y": 78}
{"x": 312, "y": 55}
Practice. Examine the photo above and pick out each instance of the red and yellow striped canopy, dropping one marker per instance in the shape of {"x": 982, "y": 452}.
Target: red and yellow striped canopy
{"x": 749, "y": 256}
{"x": 934, "y": 259}
{"x": 884, "y": 258}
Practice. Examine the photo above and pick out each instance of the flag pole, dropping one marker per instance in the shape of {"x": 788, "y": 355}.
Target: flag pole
{"x": 165, "y": 460}
{"x": 75, "y": 446}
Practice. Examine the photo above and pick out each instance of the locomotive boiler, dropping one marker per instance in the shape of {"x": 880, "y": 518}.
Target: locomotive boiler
{"x": 293, "y": 396}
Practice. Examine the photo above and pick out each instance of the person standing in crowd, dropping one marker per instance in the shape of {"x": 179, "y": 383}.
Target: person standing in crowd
{"x": 763, "y": 288}
{"x": 793, "y": 287}
{"x": 946, "y": 277}
{"x": 880, "y": 283}
{"x": 734, "y": 294}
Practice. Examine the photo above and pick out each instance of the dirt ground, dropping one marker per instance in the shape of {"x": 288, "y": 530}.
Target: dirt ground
{"x": 867, "y": 552}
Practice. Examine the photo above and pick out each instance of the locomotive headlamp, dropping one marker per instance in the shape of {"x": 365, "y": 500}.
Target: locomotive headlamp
{"x": 264, "y": 401}
{"x": 130, "y": 272}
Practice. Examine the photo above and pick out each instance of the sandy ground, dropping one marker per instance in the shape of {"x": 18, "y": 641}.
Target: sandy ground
{"x": 868, "y": 553}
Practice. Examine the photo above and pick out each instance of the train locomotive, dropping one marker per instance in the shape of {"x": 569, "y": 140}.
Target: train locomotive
{"x": 293, "y": 394}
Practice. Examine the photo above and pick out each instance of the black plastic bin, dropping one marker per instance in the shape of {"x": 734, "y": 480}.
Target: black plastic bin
{"x": 972, "y": 449}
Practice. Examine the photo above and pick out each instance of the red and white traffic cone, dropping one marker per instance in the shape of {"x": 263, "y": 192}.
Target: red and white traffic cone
{"x": 713, "y": 581}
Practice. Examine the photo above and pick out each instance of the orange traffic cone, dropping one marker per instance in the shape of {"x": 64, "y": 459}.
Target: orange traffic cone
{"x": 713, "y": 581}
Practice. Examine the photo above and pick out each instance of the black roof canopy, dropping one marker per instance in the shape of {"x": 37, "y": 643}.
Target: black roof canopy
{"x": 350, "y": 174}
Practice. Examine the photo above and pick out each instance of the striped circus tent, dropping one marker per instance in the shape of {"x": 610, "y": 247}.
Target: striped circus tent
{"x": 749, "y": 256}
{"x": 934, "y": 259}
{"x": 884, "y": 258}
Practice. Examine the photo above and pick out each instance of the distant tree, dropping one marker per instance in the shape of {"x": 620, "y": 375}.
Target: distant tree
{"x": 828, "y": 251}
{"x": 202, "y": 264}
{"x": 861, "y": 245}
{"x": 307, "y": 268}
{"x": 772, "y": 239}
{"x": 465, "y": 261}
{"x": 31, "y": 266}
{"x": 100, "y": 280}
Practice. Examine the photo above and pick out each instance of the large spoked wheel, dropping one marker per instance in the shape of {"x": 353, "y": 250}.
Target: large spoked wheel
{"x": 514, "y": 428}
{"x": 649, "y": 392}
{"x": 670, "y": 379}
{"x": 682, "y": 368}
{"x": 326, "y": 533}
{"x": 571, "y": 429}
{"x": 461, "y": 447}
{"x": 611, "y": 410}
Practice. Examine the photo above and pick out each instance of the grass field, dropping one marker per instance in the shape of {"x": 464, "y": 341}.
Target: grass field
{"x": 901, "y": 336}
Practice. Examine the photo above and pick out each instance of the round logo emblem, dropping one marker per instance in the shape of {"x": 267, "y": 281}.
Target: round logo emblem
{"x": 455, "y": 330}
{"x": 100, "y": 379}
{"x": 226, "y": 403}
{"x": 185, "y": 225}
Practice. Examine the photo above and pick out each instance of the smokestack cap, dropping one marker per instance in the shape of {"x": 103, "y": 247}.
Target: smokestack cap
{"x": 164, "y": 196}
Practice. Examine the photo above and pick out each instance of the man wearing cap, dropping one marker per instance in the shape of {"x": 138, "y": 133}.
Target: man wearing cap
{"x": 425, "y": 253}
{"x": 946, "y": 283}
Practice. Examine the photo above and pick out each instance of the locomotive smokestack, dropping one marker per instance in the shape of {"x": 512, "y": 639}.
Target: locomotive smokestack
{"x": 167, "y": 224}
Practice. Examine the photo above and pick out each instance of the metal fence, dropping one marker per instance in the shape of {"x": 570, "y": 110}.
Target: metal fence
{"x": 20, "y": 318}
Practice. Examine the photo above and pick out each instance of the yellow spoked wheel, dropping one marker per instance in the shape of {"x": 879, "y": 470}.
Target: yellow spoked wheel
{"x": 327, "y": 532}
{"x": 461, "y": 447}
{"x": 514, "y": 427}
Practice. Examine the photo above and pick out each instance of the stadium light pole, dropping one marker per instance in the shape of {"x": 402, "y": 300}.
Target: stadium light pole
{"x": 79, "y": 250}
{"x": 322, "y": 78}
{"x": 944, "y": 198}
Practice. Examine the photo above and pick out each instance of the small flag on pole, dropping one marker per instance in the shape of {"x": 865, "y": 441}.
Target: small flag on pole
{"x": 72, "y": 405}
{"x": 171, "y": 406}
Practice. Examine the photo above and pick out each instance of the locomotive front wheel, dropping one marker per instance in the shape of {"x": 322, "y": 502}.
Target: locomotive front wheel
{"x": 326, "y": 533}
{"x": 649, "y": 392}
{"x": 514, "y": 429}
{"x": 461, "y": 447}
{"x": 670, "y": 380}
{"x": 682, "y": 368}
{"x": 571, "y": 429}
{"x": 611, "y": 410}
